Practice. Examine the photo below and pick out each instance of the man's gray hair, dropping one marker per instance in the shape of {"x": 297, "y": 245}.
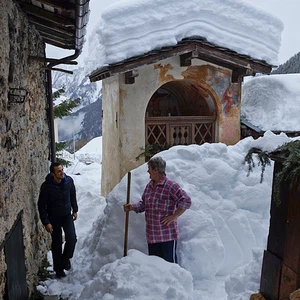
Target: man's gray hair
{"x": 157, "y": 163}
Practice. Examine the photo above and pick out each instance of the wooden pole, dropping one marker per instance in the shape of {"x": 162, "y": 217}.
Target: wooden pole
{"x": 127, "y": 214}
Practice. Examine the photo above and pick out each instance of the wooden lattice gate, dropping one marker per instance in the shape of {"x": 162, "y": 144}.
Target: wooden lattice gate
{"x": 171, "y": 131}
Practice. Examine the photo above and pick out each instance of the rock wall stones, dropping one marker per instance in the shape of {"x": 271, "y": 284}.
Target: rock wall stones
{"x": 24, "y": 137}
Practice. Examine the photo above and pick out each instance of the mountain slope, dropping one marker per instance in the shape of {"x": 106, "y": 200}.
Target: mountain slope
{"x": 85, "y": 123}
{"x": 290, "y": 66}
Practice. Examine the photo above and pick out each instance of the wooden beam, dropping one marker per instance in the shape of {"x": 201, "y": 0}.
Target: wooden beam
{"x": 58, "y": 38}
{"x": 59, "y": 70}
{"x": 130, "y": 76}
{"x": 186, "y": 59}
{"x": 47, "y": 15}
{"x": 44, "y": 25}
{"x": 229, "y": 61}
{"x": 60, "y": 5}
{"x": 46, "y": 32}
{"x": 237, "y": 75}
{"x": 105, "y": 72}
{"x": 51, "y": 60}
{"x": 209, "y": 53}
{"x": 53, "y": 41}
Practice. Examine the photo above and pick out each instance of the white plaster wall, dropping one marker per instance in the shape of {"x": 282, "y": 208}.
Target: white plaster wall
{"x": 110, "y": 134}
{"x": 123, "y": 140}
{"x": 133, "y": 103}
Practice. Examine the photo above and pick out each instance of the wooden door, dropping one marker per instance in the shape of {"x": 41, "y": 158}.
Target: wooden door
{"x": 16, "y": 287}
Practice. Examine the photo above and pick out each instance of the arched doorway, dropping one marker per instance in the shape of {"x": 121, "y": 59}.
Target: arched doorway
{"x": 180, "y": 113}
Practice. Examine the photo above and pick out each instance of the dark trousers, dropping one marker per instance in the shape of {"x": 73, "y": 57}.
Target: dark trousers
{"x": 165, "y": 250}
{"x": 67, "y": 224}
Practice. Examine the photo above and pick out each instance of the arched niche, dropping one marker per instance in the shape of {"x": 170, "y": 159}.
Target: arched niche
{"x": 180, "y": 98}
{"x": 180, "y": 112}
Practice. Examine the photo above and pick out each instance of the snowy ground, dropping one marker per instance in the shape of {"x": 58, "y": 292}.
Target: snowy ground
{"x": 222, "y": 236}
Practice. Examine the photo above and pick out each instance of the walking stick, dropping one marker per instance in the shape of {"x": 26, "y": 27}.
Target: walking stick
{"x": 127, "y": 214}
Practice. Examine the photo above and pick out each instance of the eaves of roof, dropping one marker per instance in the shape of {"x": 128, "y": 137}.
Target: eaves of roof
{"x": 189, "y": 48}
{"x": 61, "y": 23}
{"x": 250, "y": 125}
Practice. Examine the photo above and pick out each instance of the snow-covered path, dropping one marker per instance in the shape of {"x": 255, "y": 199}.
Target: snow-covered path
{"x": 222, "y": 236}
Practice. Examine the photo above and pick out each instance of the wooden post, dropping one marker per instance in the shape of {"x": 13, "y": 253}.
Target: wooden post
{"x": 127, "y": 214}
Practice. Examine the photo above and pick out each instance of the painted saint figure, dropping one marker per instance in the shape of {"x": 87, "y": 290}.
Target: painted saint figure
{"x": 228, "y": 101}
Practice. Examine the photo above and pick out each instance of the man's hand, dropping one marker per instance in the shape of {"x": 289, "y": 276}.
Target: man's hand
{"x": 49, "y": 228}
{"x": 168, "y": 219}
{"x": 127, "y": 207}
{"x": 74, "y": 216}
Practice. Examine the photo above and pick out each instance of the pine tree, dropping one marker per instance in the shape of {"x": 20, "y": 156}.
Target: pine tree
{"x": 65, "y": 107}
{"x": 61, "y": 110}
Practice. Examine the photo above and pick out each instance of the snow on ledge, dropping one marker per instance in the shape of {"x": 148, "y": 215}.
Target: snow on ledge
{"x": 133, "y": 27}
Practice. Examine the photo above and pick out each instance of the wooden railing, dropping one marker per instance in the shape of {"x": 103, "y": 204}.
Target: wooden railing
{"x": 170, "y": 131}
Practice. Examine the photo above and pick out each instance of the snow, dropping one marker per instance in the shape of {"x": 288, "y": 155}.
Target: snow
{"x": 132, "y": 27}
{"x": 222, "y": 236}
{"x": 272, "y": 102}
{"x": 91, "y": 152}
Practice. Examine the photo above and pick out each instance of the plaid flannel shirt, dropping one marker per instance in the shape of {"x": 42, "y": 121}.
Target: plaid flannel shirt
{"x": 157, "y": 202}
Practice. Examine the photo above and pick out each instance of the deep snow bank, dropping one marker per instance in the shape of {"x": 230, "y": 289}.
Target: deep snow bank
{"x": 125, "y": 279}
{"x": 228, "y": 218}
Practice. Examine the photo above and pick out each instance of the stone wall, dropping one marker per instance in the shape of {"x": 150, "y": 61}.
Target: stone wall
{"x": 24, "y": 137}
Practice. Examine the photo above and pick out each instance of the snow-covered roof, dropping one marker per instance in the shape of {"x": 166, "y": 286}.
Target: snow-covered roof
{"x": 130, "y": 28}
{"x": 272, "y": 102}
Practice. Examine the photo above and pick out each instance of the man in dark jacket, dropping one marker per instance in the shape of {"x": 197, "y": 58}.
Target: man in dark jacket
{"x": 58, "y": 209}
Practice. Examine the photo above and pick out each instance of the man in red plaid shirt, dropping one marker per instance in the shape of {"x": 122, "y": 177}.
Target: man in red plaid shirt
{"x": 163, "y": 201}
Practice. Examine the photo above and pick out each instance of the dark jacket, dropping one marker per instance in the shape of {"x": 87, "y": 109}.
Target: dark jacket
{"x": 56, "y": 199}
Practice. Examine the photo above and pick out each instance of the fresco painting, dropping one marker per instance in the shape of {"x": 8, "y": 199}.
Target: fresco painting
{"x": 229, "y": 99}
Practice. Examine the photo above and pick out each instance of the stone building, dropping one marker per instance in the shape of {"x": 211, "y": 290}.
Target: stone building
{"x": 159, "y": 92}
{"x": 26, "y": 128}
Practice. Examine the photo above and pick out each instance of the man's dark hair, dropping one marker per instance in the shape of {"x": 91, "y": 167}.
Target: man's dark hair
{"x": 53, "y": 165}
{"x": 157, "y": 163}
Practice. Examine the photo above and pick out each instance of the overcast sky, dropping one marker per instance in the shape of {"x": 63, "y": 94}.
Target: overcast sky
{"x": 286, "y": 10}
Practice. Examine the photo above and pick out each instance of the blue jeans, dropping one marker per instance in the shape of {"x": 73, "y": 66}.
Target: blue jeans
{"x": 67, "y": 224}
{"x": 165, "y": 250}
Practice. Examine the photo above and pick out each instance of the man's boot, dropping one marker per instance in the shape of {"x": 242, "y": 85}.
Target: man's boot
{"x": 66, "y": 264}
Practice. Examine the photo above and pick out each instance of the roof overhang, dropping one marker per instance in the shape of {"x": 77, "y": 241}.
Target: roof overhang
{"x": 188, "y": 49}
{"x": 61, "y": 23}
